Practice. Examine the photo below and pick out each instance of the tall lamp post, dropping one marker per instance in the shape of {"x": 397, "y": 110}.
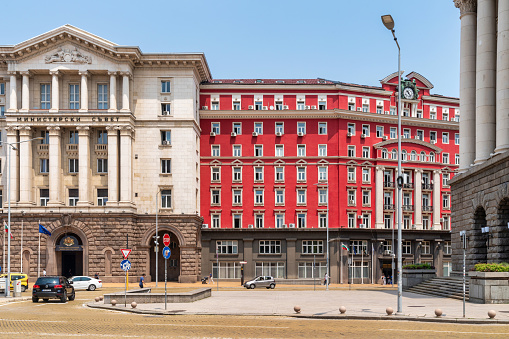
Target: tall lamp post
{"x": 156, "y": 239}
{"x": 11, "y": 146}
{"x": 327, "y": 222}
{"x": 388, "y": 22}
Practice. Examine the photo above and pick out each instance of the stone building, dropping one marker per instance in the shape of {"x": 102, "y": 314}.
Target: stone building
{"x": 480, "y": 192}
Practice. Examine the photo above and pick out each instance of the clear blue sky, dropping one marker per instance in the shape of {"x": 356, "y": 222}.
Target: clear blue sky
{"x": 340, "y": 40}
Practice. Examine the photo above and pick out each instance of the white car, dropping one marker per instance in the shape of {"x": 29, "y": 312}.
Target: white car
{"x": 85, "y": 283}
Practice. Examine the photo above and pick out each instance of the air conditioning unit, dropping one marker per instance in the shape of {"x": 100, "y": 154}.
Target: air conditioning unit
{"x": 348, "y": 134}
{"x": 278, "y": 134}
{"x": 362, "y": 226}
{"x": 292, "y": 225}
{"x": 165, "y": 142}
{"x": 359, "y": 109}
{"x": 250, "y": 226}
{"x": 205, "y": 226}
{"x": 441, "y": 219}
{"x": 351, "y": 202}
{"x": 359, "y": 216}
{"x": 387, "y": 112}
{"x": 234, "y": 134}
{"x": 384, "y": 138}
{"x": 264, "y": 108}
{"x": 212, "y": 134}
{"x": 387, "y": 252}
{"x": 204, "y": 108}
{"x": 433, "y": 142}
{"x": 285, "y": 106}
{"x": 250, "y": 107}
{"x": 255, "y": 134}
{"x": 300, "y": 134}
{"x": 285, "y": 226}
{"x": 363, "y": 136}
{"x": 166, "y": 112}
{"x": 307, "y": 107}
{"x": 417, "y": 137}
{"x": 313, "y": 107}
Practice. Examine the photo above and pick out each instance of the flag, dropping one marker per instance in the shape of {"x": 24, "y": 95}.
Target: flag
{"x": 7, "y": 230}
{"x": 43, "y": 230}
{"x": 343, "y": 246}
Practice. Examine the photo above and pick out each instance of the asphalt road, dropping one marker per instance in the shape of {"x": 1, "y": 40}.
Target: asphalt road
{"x": 52, "y": 319}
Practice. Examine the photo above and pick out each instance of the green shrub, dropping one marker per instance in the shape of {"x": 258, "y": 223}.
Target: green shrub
{"x": 502, "y": 267}
{"x": 419, "y": 267}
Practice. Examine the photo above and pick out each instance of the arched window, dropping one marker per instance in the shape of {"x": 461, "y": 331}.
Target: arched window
{"x": 107, "y": 263}
{"x": 413, "y": 156}
{"x": 384, "y": 153}
{"x": 423, "y": 156}
{"x": 394, "y": 154}
{"x": 431, "y": 157}
{"x": 403, "y": 155}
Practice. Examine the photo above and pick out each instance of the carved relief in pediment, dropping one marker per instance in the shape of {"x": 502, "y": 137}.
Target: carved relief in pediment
{"x": 68, "y": 55}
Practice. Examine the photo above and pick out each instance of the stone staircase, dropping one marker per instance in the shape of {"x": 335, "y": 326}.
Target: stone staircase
{"x": 442, "y": 287}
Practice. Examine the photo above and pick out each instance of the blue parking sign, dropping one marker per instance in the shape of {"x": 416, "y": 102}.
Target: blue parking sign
{"x": 125, "y": 265}
{"x": 166, "y": 252}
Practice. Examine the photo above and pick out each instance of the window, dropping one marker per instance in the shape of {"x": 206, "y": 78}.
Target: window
{"x": 237, "y": 128}
{"x": 258, "y": 195}
{"x": 73, "y": 196}
{"x": 216, "y": 220}
{"x": 236, "y": 105}
{"x": 258, "y": 173}
{"x": 350, "y": 128}
{"x": 322, "y": 150}
{"x": 425, "y": 200}
{"x": 432, "y": 136}
{"x": 74, "y": 166}
{"x": 446, "y": 198}
{"x": 388, "y": 201}
{"x": 270, "y": 247}
{"x": 166, "y": 198}
{"x": 351, "y": 106}
{"x": 237, "y": 197}
{"x": 365, "y": 108}
{"x": 392, "y": 110}
{"x": 166, "y": 166}
{"x": 404, "y": 155}
{"x": 394, "y": 154}
{"x": 280, "y": 196}
{"x": 365, "y": 175}
{"x": 413, "y": 155}
{"x": 74, "y": 96}
{"x": 73, "y": 137}
{"x": 419, "y": 113}
{"x": 387, "y": 221}
{"x": 447, "y": 247}
{"x": 351, "y": 220}
{"x": 301, "y": 127}
{"x": 300, "y": 105}
{"x": 445, "y": 116}
{"x": 237, "y": 151}
{"x": 322, "y": 105}
{"x": 310, "y": 270}
{"x": 237, "y": 220}
{"x": 359, "y": 246}
{"x": 351, "y": 197}
{"x": 312, "y": 246}
{"x": 280, "y": 127}
{"x": 406, "y": 222}
{"x": 351, "y": 174}
{"x": 445, "y": 158}
{"x": 258, "y": 105}
{"x": 258, "y": 128}
{"x": 301, "y": 197}
{"x": 366, "y": 198}
{"x": 44, "y": 165}
{"x": 322, "y": 196}
{"x": 2, "y": 111}
{"x": 365, "y": 130}
{"x": 45, "y": 96}
{"x": 237, "y": 173}
{"x": 44, "y": 196}
{"x": 102, "y": 165}
{"x": 301, "y": 150}
{"x": 406, "y": 247}
{"x": 432, "y": 115}
{"x": 456, "y": 159}
{"x": 280, "y": 173}
{"x": 406, "y": 133}
{"x": 301, "y": 173}
{"x": 426, "y": 248}
{"x": 366, "y": 220}
{"x": 379, "y": 109}
{"x": 45, "y": 136}
{"x": 420, "y": 134}
{"x": 280, "y": 220}
{"x": 322, "y": 220}
{"x": 322, "y": 128}
{"x": 227, "y": 247}
{"x": 2, "y": 88}
{"x": 379, "y": 131}
{"x": 445, "y": 179}
{"x": 165, "y": 87}
{"x": 214, "y": 105}
{"x": 280, "y": 151}
{"x": 425, "y": 222}
{"x": 445, "y": 137}
{"x": 215, "y": 127}
{"x": 351, "y": 150}
{"x": 215, "y": 196}
{"x": 446, "y": 225}
{"x": 365, "y": 152}
{"x": 215, "y": 150}
{"x": 216, "y": 174}
{"x": 456, "y": 139}
{"x": 279, "y": 105}
{"x": 165, "y": 137}
{"x": 102, "y": 137}
{"x": 102, "y": 196}
{"x": 102, "y": 96}
{"x": 393, "y": 133}
{"x": 322, "y": 173}
{"x": 422, "y": 157}
{"x": 165, "y": 108}
{"x": 1, "y": 198}
{"x": 431, "y": 157}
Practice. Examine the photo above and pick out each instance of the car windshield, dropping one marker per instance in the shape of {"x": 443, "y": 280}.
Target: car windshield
{"x": 47, "y": 280}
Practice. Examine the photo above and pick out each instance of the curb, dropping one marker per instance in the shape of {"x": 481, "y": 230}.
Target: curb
{"x": 10, "y": 300}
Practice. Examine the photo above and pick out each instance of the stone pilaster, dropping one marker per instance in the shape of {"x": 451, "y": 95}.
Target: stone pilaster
{"x": 13, "y": 93}
{"x": 248, "y": 256}
{"x": 125, "y": 91}
{"x": 84, "y": 165}
{"x": 379, "y": 197}
{"x": 437, "y": 202}
{"x": 112, "y": 165}
{"x": 502, "y": 94}
{"x": 418, "y": 199}
{"x": 55, "y": 158}
{"x": 291, "y": 256}
{"x": 25, "y": 166}
{"x": 126, "y": 136}
{"x": 113, "y": 91}
{"x": 84, "y": 91}
{"x": 25, "y": 92}
{"x": 12, "y": 133}
{"x": 55, "y": 93}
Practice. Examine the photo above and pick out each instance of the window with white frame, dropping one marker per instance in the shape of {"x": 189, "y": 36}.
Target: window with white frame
{"x": 237, "y": 220}
{"x": 392, "y": 110}
{"x": 301, "y": 220}
{"x": 446, "y": 201}
{"x": 365, "y": 175}
{"x": 425, "y": 200}
{"x": 322, "y": 173}
{"x": 215, "y": 196}
{"x": 388, "y": 221}
{"x": 102, "y": 196}
{"x": 445, "y": 116}
{"x": 301, "y": 150}
{"x": 456, "y": 159}
{"x": 359, "y": 246}
{"x": 456, "y": 138}
{"x": 351, "y": 105}
{"x": 351, "y": 150}
{"x": 406, "y": 247}
{"x": 387, "y": 246}
{"x": 278, "y": 105}
{"x": 102, "y": 96}
{"x": 237, "y": 174}
{"x": 270, "y": 247}
{"x": 214, "y": 105}
{"x": 322, "y": 105}
{"x": 379, "y": 131}
{"x": 216, "y": 220}
{"x": 280, "y": 127}
{"x": 393, "y": 133}
{"x": 447, "y": 248}
{"x": 433, "y": 115}
{"x": 301, "y": 197}
{"x": 366, "y": 198}
{"x": 351, "y": 197}
{"x": 280, "y": 151}
{"x": 301, "y": 173}
{"x": 215, "y": 174}
{"x": 216, "y": 128}
{"x": 258, "y": 151}
{"x": 365, "y": 130}
{"x": 227, "y": 246}
{"x": 351, "y": 220}
{"x": 445, "y": 179}
{"x": 425, "y": 222}
{"x": 258, "y": 127}
{"x": 280, "y": 196}
{"x": 301, "y": 127}
{"x": 350, "y": 128}
{"x": 433, "y": 136}
{"x": 258, "y": 105}
{"x": 445, "y": 158}
{"x": 406, "y": 222}
{"x": 215, "y": 150}
{"x": 259, "y": 220}
{"x": 300, "y": 105}
{"x": 166, "y": 198}
{"x": 258, "y": 173}
{"x": 237, "y": 197}
{"x": 406, "y": 133}
{"x": 365, "y": 151}
{"x": 237, "y": 128}
{"x": 365, "y": 108}
{"x": 388, "y": 200}
{"x": 446, "y": 224}
{"x": 165, "y": 166}
{"x": 74, "y": 166}
{"x": 351, "y": 174}
{"x": 312, "y": 246}
{"x": 280, "y": 173}
{"x": 425, "y": 247}
{"x": 366, "y": 218}
{"x": 74, "y": 96}
{"x": 165, "y": 86}
{"x": 420, "y": 134}
{"x": 419, "y": 113}
{"x": 165, "y": 137}
{"x": 394, "y": 154}
{"x": 322, "y": 220}
{"x": 379, "y": 109}
{"x": 258, "y": 196}
{"x": 73, "y": 196}
{"x": 236, "y": 105}
{"x": 237, "y": 151}
{"x": 45, "y": 96}
{"x": 322, "y": 150}
{"x": 280, "y": 220}
{"x": 102, "y": 165}
{"x": 322, "y": 128}
{"x": 165, "y": 108}
{"x": 322, "y": 196}
{"x": 44, "y": 196}
{"x": 445, "y": 137}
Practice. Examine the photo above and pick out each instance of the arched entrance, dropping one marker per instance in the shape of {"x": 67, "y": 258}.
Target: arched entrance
{"x": 173, "y": 262}
{"x": 69, "y": 255}
{"x": 479, "y": 240}
{"x": 501, "y": 232}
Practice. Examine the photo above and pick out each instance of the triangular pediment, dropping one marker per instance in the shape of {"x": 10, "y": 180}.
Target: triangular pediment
{"x": 237, "y": 162}
{"x": 215, "y": 162}
{"x": 279, "y": 162}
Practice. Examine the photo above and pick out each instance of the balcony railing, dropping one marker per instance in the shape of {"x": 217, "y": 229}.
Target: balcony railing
{"x": 72, "y": 148}
{"x": 389, "y": 184}
{"x": 427, "y": 186}
{"x": 408, "y": 185}
{"x": 427, "y": 208}
{"x": 388, "y": 206}
{"x": 408, "y": 207}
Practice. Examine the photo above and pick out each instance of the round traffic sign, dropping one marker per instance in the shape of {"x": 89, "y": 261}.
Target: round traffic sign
{"x": 125, "y": 265}
{"x": 166, "y": 252}
{"x": 166, "y": 239}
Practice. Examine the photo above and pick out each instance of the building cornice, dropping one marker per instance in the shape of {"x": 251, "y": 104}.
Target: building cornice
{"x": 428, "y": 98}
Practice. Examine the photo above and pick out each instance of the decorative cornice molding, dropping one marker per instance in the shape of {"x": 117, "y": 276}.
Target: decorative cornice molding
{"x": 466, "y": 6}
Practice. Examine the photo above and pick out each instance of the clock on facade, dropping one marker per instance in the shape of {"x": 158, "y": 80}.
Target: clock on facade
{"x": 408, "y": 93}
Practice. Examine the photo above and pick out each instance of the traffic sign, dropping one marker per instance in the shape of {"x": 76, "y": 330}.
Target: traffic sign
{"x": 166, "y": 239}
{"x": 243, "y": 262}
{"x": 126, "y": 252}
{"x": 166, "y": 252}
{"x": 125, "y": 265}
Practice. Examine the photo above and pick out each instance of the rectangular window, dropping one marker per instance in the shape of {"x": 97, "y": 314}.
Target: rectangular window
{"x": 365, "y": 108}
{"x": 74, "y": 96}
{"x": 237, "y": 174}
{"x": 280, "y": 173}
{"x": 301, "y": 127}
{"x": 388, "y": 221}
{"x": 258, "y": 174}
{"x": 74, "y": 166}
{"x": 366, "y": 218}
{"x": 237, "y": 128}
{"x": 215, "y": 127}
{"x": 280, "y": 128}
{"x": 237, "y": 151}
{"x": 215, "y": 150}
{"x": 301, "y": 173}
{"x": 102, "y": 196}
{"x": 312, "y": 247}
{"x": 215, "y": 197}
{"x": 322, "y": 220}
{"x": 44, "y": 196}
{"x": 279, "y": 105}
{"x": 351, "y": 150}
{"x": 426, "y": 248}
{"x": 351, "y": 197}
{"x": 392, "y": 111}
{"x": 365, "y": 151}
{"x": 258, "y": 128}
{"x": 280, "y": 151}
{"x": 365, "y": 130}
{"x": 366, "y": 175}
{"x": 216, "y": 221}
{"x": 351, "y": 220}
{"x": 351, "y": 106}
{"x": 301, "y": 197}
{"x": 445, "y": 179}
{"x": 166, "y": 166}
{"x": 365, "y": 198}
{"x": 350, "y": 128}
{"x": 406, "y": 247}
{"x": 102, "y": 137}
{"x": 432, "y": 115}
{"x": 45, "y": 137}
{"x": 280, "y": 196}
{"x": 237, "y": 220}
{"x": 102, "y": 96}
{"x": 300, "y": 105}
{"x": 45, "y": 96}
{"x": 259, "y": 220}
{"x": 406, "y": 133}
{"x": 165, "y": 137}
{"x": 165, "y": 87}
{"x": 216, "y": 174}
{"x": 227, "y": 247}
{"x": 270, "y": 247}
{"x": 445, "y": 158}
{"x": 445, "y": 116}
{"x": 258, "y": 197}
{"x": 379, "y": 109}
{"x": 359, "y": 246}
{"x": 456, "y": 138}
{"x": 44, "y": 165}
{"x": 456, "y": 159}
{"x": 236, "y": 105}
{"x": 165, "y": 108}
{"x": 406, "y": 222}
{"x": 73, "y": 137}
{"x": 322, "y": 150}
{"x": 446, "y": 225}
{"x": 447, "y": 248}
{"x": 102, "y": 165}
{"x": 322, "y": 128}
{"x": 2, "y": 111}
{"x": 258, "y": 105}
{"x": 2, "y": 88}
{"x": 280, "y": 220}
{"x": 73, "y": 196}
{"x": 214, "y": 105}
{"x": 446, "y": 201}
{"x": 237, "y": 197}
{"x": 394, "y": 133}
{"x": 379, "y": 131}
{"x": 322, "y": 105}
{"x": 166, "y": 199}
{"x": 425, "y": 222}
{"x": 433, "y": 136}
{"x": 445, "y": 137}
{"x": 322, "y": 196}
{"x": 420, "y": 135}
{"x": 322, "y": 173}
{"x": 351, "y": 174}
{"x": 301, "y": 150}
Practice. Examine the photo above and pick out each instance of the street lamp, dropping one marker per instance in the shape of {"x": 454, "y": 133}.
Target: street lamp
{"x": 156, "y": 239}
{"x": 327, "y": 222}
{"x": 11, "y": 146}
{"x": 388, "y": 22}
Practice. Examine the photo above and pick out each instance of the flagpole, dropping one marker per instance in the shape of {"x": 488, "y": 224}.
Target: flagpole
{"x": 341, "y": 265}
{"x": 3, "y": 245}
{"x": 39, "y": 255}
{"x": 362, "y": 263}
{"x": 21, "y": 251}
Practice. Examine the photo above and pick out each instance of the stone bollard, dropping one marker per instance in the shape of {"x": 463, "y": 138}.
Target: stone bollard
{"x": 101, "y": 298}
{"x": 492, "y": 314}
{"x": 389, "y": 310}
{"x": 97, "y": 299}
{"x": 342, "y": 309}
{"x": 134, "y": 304}
{"x": 296, "y": 309}
{"x": 113, "y": 302}
{"x": 438, "y": 312}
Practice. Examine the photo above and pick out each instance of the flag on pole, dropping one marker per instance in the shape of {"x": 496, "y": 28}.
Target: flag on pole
{"x": 7, "y": 230}
{"x": 43, "y": 230}
{"x": 343, "y": 246}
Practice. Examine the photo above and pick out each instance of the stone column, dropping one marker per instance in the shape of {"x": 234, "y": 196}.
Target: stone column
{"x": 126, "y": 135}
{"x": 437, "y": 203}
{"x": 112, "y": 165}
{"x": 418, "y": 199}
{"x": 249, "y": 269}
{"x": 25, "y": 92}
{"x": 25, "y": 166}
{"x": 113, "y": 92}
{"x": 485, "y": 98}
{"x": 55, "y": 99}
{"x": 84, "y": 91}
{"x": 55, "y": 158}
{"x": 502, "y": 115}
{"x": 13, "y": 96}
{"x": 467, "y": 81}
{"x": 84, "y": 165}
{"x": 379, "y": 197}
{"x": 12, "y": 138}
{"x": 125, "y": 91}
{"x": 291, "y": 262}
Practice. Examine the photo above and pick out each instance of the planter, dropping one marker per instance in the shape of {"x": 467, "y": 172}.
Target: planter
{"x": 489, "y": 287}
{"x": 415, "y": 277}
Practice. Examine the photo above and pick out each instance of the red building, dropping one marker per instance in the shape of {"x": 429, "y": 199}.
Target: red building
{"x": 281, "y": 159}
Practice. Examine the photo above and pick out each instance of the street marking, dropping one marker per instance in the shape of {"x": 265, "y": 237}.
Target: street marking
{"x": 79, "y": 335}
{"x": 393, "y": 329}
{"x": 40, "y": 321}
{"x": 187, "y": 325}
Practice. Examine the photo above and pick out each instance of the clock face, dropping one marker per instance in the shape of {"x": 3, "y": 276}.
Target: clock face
{"x": 408, "y": 93}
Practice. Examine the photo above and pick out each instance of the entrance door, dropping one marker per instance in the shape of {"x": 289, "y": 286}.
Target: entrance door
{"x": 72, "y": 263}
{"x": 173, "y": 262}
{"x": 69, "y": 255}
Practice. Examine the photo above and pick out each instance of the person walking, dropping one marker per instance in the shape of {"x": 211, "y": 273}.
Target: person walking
{"x": 210, "y": 278}
{"x": 44, "y": 272}
{"x": 325, "y": 278}
{"x": 96, "y": 276}
{"x": 142, "y": 280}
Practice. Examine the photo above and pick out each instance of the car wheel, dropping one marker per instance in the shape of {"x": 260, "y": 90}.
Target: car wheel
{"x": 272, "y": 286}
{"x": 23, "y": 288}
{"x": 252, "y": 286}
{"x": 35, "y": 300}
{"x": 91, "y": 287}
{"x": 72, "y": 296}
{"x": 64, "y": 297}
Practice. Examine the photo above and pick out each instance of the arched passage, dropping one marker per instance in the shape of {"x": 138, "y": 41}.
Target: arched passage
{"x": 69, "y": 254}
{"x": 500, "y": 233}
{"x": 478, "y": 241}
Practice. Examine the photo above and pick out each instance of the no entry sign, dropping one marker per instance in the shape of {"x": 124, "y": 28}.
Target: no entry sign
{"x": 166, "y": 239}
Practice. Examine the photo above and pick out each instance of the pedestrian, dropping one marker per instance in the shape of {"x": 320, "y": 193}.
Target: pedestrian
{"x": 70, "y": 273}
{"x": 210, "y": 278}
{"x": 96, "y": 276}
{"x": 383, "y": 279}
{"x": 325, "y": 278}
{"x": 142, "y": 280}
{"x": 43, "y": 272}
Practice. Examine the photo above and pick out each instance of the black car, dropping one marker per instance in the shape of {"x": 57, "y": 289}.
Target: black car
{"x": 46, "y": 288}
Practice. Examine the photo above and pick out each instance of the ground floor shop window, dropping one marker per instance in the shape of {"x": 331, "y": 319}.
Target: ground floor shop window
{"x": 359, "y": 270}
{"x": 306, "y": 270}
{"x": 227, "y": 270}
{"x": 275, "y": 269}
{"x": 447, "y": 268}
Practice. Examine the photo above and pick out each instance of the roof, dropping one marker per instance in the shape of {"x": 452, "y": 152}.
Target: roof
{"x": 317, "y": 81}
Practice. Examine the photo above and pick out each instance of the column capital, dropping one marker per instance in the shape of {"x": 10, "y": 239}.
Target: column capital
{"x": 57, "y": 73}
{"x": 419, "y": 170}
{"x": 437, "y": 171}
{"x": 24, "y": 130}
{"x": 466, "y": 6}
{"x": 12, "y": 129}
{"x": 113, "y": 128}
{"x": 84, "y": 73}
{"x": 25, "y": 73}
{"x": 11, "y": 73}
{"x": 126, "y": 130}
{"x": 380, "y": 168}
{"x": 53, "y": 130}
{"x": 84, "y": 129}
{"x": 114, "y": 73}
{"x": 125, "y": 74}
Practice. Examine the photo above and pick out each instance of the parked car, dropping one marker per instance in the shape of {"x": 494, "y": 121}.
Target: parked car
{"x": 18, "y": 276}
{"x": 85, "y": 283}
{"x": 261, "y": 281}
{"x": 46, "y": 288}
